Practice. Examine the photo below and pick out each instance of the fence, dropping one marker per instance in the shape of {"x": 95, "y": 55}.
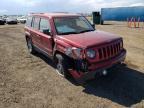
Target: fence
{"x": 134, "y": 22}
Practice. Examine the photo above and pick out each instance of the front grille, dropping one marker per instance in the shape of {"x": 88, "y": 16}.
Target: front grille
{"x": 109, "y": 51}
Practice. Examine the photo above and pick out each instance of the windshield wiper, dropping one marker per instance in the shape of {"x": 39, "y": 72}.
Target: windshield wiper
{"x": 66, "y": 33}
{"x": 83, "y": 31}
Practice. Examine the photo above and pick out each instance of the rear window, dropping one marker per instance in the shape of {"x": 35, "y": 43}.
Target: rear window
{"x": 29, "y": 21}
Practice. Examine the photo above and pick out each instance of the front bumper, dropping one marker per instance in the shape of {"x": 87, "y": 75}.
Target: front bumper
{"x": 12, "y": 22}
{"x": 98, "y": 67}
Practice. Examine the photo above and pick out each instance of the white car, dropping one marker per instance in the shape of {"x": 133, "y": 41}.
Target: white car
{"x": 22, "y": 20}
{"x": 11, "y": 20}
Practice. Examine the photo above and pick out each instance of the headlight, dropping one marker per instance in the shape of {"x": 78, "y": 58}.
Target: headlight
{"x": 91, "y": 53}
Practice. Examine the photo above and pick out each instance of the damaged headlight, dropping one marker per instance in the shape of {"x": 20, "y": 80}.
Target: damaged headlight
{"x": 77, "y": 52}
{"x": 73, "y": 51}
{"x": 68, "y": 51}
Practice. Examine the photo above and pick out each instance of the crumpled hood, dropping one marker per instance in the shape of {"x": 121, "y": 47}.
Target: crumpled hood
{"x": 88, "y": 39}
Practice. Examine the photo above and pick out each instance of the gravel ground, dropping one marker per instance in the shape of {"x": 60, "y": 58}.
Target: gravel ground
{"x": 30, "y": 81}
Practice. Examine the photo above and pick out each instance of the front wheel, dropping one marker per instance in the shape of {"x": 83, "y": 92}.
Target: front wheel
{"x": 62, "y": 65}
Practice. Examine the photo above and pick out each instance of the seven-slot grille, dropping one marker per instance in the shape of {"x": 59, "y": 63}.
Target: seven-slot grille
{"x": 110, "y": 50}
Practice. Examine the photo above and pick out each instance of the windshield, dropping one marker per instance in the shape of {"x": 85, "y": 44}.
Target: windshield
{"x": 72, "y": 25}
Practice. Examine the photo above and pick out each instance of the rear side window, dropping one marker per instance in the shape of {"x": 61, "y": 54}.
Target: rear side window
{"x": 35, "y": 23}
{"x": 44, "y": 25}
{"x": 29, "y": 21}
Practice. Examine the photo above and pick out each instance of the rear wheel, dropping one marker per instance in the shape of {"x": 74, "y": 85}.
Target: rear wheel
{"x": 30, "y": 46}
{"x": 62, "y": 65}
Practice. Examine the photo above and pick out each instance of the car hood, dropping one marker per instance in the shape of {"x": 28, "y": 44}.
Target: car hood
{"x": 88, "y": 39}
{"x": 1, "y": 20}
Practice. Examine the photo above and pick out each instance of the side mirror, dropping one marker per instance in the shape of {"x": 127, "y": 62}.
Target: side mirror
{"x": 47, "y": 32}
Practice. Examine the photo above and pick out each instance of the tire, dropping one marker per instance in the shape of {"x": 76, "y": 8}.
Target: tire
{"x": 62, "y": 65}
{"x": 30, "y": 46}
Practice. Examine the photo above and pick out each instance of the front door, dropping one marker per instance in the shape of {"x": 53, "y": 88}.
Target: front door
{"x": 46, "y": 38}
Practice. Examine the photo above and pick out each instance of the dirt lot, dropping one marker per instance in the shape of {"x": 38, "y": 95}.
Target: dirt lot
{"x": 30, "y": 81}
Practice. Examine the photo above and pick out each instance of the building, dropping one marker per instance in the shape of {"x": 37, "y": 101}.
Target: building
{"x": 122, "y": 13}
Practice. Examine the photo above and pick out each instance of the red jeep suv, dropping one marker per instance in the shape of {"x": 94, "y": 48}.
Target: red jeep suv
{"x": 73, "y": 44}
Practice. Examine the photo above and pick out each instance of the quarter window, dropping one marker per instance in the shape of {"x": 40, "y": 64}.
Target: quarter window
{"x": 29, "y": 21}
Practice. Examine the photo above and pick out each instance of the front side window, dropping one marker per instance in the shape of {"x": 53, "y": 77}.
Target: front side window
{"x": 70, "y": 25}
{"x": 44, "y": 25}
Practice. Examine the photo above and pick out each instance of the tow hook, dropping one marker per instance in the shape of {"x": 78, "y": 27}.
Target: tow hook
{"x": 104, "y": 72}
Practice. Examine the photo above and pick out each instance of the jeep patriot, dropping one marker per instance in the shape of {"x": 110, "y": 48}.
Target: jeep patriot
{"x": 76, "y": 48}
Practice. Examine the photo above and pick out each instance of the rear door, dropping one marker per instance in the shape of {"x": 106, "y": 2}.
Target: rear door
{"x": 46, "y": 39}
{"x": 36, "y": 37}
{"x": 28, "y": 26}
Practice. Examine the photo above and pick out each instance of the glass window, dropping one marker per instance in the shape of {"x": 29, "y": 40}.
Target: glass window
{"x": 36, "y": 23}
{"x": 44, "y": 24}
{"x": 72, "y": 25}
{"x": 29, "y": 21}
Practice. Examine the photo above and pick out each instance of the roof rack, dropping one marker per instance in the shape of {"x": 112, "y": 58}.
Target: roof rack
{"x": 60, "y": 12}
{"x": 36, "y": 13}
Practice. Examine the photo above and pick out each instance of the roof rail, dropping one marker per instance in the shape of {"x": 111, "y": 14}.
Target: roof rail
{"x": 60, "y": 12}
{"x": 36, "y": 13}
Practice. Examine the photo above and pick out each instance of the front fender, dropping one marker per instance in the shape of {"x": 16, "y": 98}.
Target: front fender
{"x": 60, "y": 46}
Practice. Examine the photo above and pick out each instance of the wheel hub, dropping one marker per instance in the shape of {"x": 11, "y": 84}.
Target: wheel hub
{"x": 60, "y": 68}
{"x": 29, "y": 46}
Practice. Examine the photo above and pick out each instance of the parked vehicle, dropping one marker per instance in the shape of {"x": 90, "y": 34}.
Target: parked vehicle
{"x": 2, "y": 21}
{"x": 21, "y": 20}
{"x": 73, "y": 44}
{"x": 11, "y": 21}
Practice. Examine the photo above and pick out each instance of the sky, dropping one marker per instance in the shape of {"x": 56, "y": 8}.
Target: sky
{"x": 74, "y": 6}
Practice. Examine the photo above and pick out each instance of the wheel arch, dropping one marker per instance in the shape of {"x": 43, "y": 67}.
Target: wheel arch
{"x": 27, "y": 37}
{"x": 58, "y": 52}
{"x": 69, "y": 59}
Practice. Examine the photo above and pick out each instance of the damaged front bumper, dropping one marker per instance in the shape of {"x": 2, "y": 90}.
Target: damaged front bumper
{"x": 98, "y": 67}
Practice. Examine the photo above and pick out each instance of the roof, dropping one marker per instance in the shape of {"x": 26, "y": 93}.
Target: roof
{"x": 55, "y": 14}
